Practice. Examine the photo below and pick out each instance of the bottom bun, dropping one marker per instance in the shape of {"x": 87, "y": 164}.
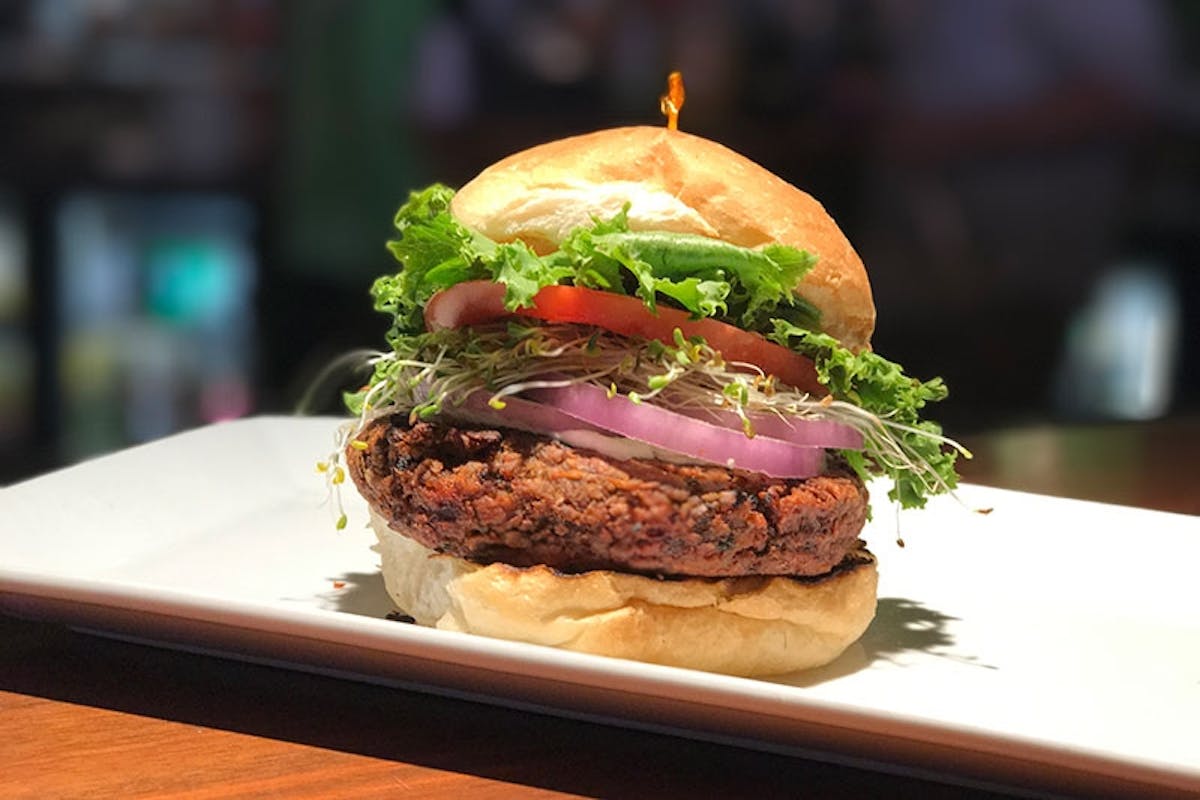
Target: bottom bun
{"x": 738, "y": 626}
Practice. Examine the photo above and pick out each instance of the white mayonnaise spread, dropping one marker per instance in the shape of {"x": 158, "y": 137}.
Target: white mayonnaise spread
{"x": 621, "y": 448}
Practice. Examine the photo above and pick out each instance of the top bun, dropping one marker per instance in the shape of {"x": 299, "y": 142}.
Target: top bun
{"x": 673, "y": 181}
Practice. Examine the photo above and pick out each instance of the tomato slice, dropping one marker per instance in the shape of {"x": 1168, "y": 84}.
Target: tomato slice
{"x": 476, "y": 302}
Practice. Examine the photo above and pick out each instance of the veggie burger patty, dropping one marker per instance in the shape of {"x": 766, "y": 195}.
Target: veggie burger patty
{"x": 489, "y": 495}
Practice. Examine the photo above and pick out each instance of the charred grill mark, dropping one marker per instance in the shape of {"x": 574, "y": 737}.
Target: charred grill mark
{"x": 675, "y": 547}
{"x": 762, "y": 505}
{"x": 447, "y": 513}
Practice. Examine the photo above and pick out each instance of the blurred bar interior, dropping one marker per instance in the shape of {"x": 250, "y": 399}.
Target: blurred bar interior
{"x": 194, "y": 194}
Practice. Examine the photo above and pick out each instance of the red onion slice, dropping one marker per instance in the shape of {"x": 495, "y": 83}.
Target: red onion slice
{"x": 519, "y": 413}
{"x": 681, "y": 434}
{"x": 804, "y": 432}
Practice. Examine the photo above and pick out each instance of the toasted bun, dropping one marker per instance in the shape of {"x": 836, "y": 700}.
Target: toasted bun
{"x": 738, "y": 626}
{"x": 676, "y": 182}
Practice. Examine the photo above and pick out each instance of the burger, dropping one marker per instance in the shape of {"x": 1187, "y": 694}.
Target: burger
{"x": 629, "y": 407}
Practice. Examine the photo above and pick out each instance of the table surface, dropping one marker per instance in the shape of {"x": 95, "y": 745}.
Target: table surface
{"x": 82, "y": 716}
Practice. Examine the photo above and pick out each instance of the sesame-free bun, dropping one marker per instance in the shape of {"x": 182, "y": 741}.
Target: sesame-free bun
{"x": 738, "y": 626}
{"x": 676, "y": 182}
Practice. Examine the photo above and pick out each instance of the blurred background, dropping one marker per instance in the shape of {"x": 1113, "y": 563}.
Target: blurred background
{"x": 195, "y": 194}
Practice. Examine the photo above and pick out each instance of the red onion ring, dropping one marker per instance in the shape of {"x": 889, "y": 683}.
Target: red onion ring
{"x": 804, "y": 432}
{"x": 682, "y": 434}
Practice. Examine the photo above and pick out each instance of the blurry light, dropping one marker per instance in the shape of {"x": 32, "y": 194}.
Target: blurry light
{"x": 16, "y": 384}
{"x": 191, "y": 280}
{"x": 444, "y": 94}
{"x": 1122, "y": 349}
{"x": 554, "y": 52}
{"x": 156, "y": 303}
{"x": 153, "y": 367}
{"x": 226, "y": 398}
{"x": 14, "y": 289}
{"x": 98, "y": 269}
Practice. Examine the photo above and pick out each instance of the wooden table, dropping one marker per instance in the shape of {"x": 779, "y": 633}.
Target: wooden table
{"x": 82, "y": 716}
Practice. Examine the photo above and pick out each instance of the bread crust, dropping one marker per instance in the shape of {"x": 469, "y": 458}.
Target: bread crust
{"x": 737, "y": 626}
{"x": 673, "y": 181}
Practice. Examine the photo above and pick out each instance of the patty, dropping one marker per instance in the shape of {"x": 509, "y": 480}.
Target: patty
{"x": 490, "y": 495}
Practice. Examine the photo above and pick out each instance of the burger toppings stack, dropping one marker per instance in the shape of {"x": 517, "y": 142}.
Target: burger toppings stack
{"x": 629, "y": 407}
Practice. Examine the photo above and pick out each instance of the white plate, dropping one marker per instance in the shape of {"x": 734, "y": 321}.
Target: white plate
{"x": 1052, "y": 644}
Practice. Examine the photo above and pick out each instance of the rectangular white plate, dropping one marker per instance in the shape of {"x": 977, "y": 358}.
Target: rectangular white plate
{"x": 1050, "y": 644}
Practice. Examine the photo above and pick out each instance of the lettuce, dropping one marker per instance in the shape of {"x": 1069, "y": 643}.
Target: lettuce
{"x": 871, "y": 382}
{"x": 706, "y": 277}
